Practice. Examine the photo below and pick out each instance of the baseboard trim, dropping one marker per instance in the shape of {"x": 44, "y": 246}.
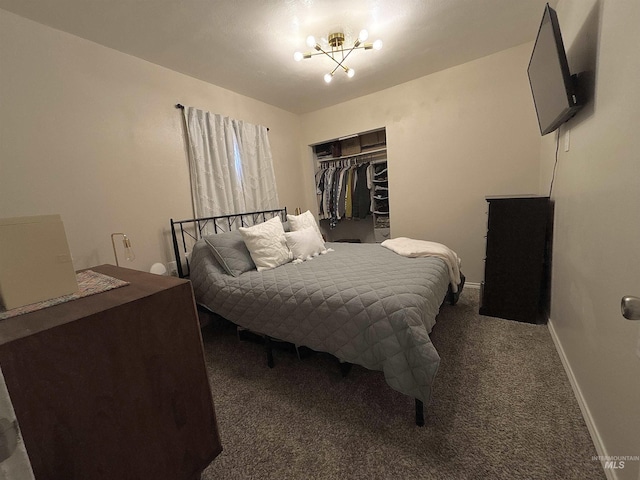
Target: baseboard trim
{"x": 611, "y": 474}
{"x": 472, "y": 285}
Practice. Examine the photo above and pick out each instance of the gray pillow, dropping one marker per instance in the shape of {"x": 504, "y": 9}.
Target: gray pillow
{"x": 231, "y": 252}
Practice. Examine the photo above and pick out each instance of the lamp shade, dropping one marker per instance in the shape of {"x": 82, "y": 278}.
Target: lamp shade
{"x": 158, "y": 269}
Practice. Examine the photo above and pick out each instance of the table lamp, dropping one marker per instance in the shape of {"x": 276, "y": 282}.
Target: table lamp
{"x": 128, "y": 251}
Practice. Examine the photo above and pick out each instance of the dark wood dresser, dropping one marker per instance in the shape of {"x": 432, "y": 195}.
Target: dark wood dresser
{"x": 517, "y": 258}
{"x": 114, "y": 385}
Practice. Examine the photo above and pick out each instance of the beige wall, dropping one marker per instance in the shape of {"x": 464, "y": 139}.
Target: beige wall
{"x": 93, "y": 134}
{"x": 597, "y": 222}
{"x": 453, "y": 138}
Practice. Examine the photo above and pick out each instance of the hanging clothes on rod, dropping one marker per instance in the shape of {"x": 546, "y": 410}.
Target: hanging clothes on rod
{"x": 344, "y": 189}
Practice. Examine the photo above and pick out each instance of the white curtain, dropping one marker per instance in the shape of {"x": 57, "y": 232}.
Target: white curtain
{"x": 231, "y": 165}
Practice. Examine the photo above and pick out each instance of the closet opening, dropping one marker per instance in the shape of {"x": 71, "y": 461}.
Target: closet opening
{"x": 352, "y": 187}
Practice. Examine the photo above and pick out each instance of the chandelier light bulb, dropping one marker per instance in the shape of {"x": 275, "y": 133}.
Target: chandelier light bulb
{"x": 377, "y": 45}
{"x": 311, "y": 41}
{"x": 297, "y": 56}
{"x": 363, "y": 35}
{"x": 328, "y": 77}
{"x": 350, "y": 72}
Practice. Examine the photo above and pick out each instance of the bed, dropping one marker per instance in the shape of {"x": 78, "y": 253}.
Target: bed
{"x": 362, "y": 303}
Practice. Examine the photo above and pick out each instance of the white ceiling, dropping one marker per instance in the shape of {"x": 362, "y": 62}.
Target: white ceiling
{"x": 247, "y": 45}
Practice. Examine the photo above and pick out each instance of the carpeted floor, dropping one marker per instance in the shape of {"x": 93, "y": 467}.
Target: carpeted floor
{"x": 502, "y": 409}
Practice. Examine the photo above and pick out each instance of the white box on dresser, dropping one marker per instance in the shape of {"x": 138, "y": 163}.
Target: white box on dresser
{"x": 35, "y": 263}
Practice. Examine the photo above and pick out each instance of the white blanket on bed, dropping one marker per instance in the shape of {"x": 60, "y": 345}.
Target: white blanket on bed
{"x": 408, "y": 247}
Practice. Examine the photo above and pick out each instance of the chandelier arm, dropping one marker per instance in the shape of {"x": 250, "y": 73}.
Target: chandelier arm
{"x": 344, "y": 57}
{"x": 367, "y": 46}
{"x": 337, "y": 67}
{"x": 318, "y": 47}
{"x": 347, "y": 55}
{"x": 340, "y": 65}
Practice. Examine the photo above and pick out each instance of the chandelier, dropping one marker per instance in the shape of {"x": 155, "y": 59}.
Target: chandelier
{"x": 338, "y": 53}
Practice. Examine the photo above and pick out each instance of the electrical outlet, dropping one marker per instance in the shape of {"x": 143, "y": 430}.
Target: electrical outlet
{"x": 567, "y": 140}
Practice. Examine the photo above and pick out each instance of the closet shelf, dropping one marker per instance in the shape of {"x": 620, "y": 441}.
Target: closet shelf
{"x": 356, "y": 155}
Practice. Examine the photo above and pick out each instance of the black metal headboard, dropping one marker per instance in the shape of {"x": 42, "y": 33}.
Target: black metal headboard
{"x": 192, "y": 230}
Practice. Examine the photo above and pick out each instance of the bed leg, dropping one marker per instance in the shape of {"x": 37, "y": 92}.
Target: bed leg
{"x": 419, "y": 413}
{"x": 345, "y": 368}
{"x": 238, "y": 331}
{"x": 269, "y": 349}
{"x": 453, "y": 297}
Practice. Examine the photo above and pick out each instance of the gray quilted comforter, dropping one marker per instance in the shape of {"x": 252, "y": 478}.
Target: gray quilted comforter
{"x": 362, "y": 303}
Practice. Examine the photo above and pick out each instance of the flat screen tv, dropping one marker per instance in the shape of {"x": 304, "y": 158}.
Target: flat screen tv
{"x": 552, "y": 85}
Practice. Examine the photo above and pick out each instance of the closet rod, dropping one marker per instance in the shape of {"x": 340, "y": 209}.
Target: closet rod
{"x": 181, "y": 107}
{"x": 354, "y": 160}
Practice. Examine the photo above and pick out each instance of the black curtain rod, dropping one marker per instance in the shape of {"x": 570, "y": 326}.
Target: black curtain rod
{"x": 181, "y": 107}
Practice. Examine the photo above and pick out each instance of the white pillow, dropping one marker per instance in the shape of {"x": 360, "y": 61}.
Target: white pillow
{"x": 302, "y": 221}
{"x": 266, "y": 244}
{"x": 305, "y": 244}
